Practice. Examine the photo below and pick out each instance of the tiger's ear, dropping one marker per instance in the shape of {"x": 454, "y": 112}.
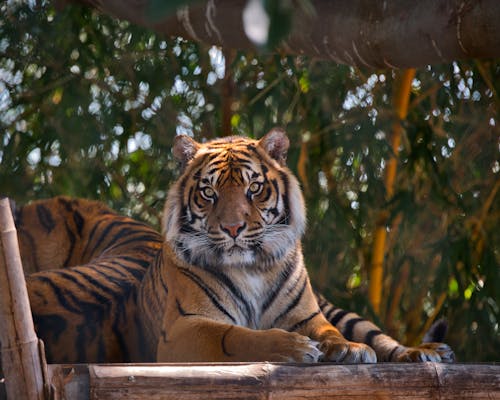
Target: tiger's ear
{"x": 184, "y": 149}
{"x": 276, "y": 144}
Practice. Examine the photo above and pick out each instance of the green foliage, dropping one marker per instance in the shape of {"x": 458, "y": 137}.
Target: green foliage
{"x": 89, "y": 107}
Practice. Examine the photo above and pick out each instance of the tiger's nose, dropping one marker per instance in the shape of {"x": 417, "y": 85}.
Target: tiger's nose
{"x": 233, "y": 230}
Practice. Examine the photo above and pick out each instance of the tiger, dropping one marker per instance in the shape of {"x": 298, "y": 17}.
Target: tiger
{"x": 225, "y": 281}
{"x": 84, "y": 265}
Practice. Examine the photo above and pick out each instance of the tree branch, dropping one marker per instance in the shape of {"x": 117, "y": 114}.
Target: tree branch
{"x": 374, "y": 34}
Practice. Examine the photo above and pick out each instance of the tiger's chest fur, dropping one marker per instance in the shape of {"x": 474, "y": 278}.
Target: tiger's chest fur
{"x": 249, "y": 298}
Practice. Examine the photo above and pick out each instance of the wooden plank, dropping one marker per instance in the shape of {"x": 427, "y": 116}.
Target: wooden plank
{"x": 283, "y": 381}
{"x": 22, "y": 364}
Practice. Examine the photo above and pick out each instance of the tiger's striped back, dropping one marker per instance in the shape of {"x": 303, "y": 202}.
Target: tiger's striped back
{"x": 91, "y": 262}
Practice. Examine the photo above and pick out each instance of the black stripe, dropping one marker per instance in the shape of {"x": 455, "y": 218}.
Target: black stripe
{"x": 348, "y": 330}
{"x": 50, "y": 324}
{"x": 105, "y": 233}
{"x": 157, "y": 276}
{"x": 64, "y": 294}
{"x": 181, "y": 311}
{"x": 61, "y": 295}
{"x": 370, "y": 336}
{"x": 71, "y": 238}
{"x": 208, "y": 291}
{"x": 112, "y": 268}
{"x": 107, "y": 212}
{"x": 223, "y": 342}
{"x": 147, "y": 237}
{"x": 66, "y": 204}
{"x": 45, "y": 217}
{"x": 223, "y": 178}
{"x": 220, "y": 276}
{"x": 135, "y": 272}
{"x": 81, "y": 343}
{"x": 98, "y": 285}
{"x": 162, "y": 281}
{"x": 274, "y": 182}
{"x": 266, "y": 195}
{"x": 157, "y": 265}
{"x": 286, "y": 183}
{"x": 123, "y": 284}
{"x": 293, "y": 303}
{"x": 139, "y": 261}
{"x": 328, "y": 315}
{"x": 148, "y": 249}
{"x": 322, "y": 302}
{"x": 391, "y": 354}
{"x": 290, "y": 267}
{"x": 146, "y": 353}
{"x": 79, "y": 222}
{"x": 300, "y": 324}
{"x": 101, "y": 349}
{"x": 242, "y": 153}
{"x": 336, "y": 319}
{"x": 91, "y": 235}
{"x": 101, "y": 299}
{"x": 257, "y": 155}
{"x": 122, "y": 232}
{"x": 18, "y": 214}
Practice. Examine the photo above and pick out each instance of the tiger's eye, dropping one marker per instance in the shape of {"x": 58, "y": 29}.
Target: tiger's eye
{"x": 254, "y": 187}
{"x": 208, "y": 192}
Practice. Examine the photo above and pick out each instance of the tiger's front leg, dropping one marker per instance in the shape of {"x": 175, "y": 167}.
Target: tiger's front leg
{"x": 334, "y": 346}
{"x": 197, "y": 339}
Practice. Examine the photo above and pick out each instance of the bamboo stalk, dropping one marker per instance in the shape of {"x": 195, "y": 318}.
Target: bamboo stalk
{"x": 22, "y": 365}
{"x": 376, "y": 275}
{"x": 302, "y": 167}
{"x": 227, "y": 94}
{"x": 276, "y": 381}
{"x": 390, "y": 318}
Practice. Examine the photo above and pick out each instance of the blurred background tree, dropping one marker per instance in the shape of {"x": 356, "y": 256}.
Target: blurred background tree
{"x": 89, "y": 106}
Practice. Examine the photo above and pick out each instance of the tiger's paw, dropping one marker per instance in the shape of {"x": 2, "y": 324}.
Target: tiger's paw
{"x": 340, "y": 350}
{"x": 434, "y": 352}
{"x": 285, "y": 346}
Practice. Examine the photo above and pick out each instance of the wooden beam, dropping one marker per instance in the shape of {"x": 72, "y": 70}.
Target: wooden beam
{"x": 22, "y": 364}
{"x": 276, "y": 381}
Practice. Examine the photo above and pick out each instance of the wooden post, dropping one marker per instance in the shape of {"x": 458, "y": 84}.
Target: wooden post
{"x": 21, "y": 360}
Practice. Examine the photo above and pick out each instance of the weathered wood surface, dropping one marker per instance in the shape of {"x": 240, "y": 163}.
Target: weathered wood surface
{"x": 21, "y": 360}
{"x": 276, "y": 381}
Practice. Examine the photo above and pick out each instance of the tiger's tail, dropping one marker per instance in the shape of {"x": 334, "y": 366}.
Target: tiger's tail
{"x": 358, "y": 329}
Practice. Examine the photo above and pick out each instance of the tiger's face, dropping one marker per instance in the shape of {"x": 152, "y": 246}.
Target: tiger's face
{"x": 236, "y": 204}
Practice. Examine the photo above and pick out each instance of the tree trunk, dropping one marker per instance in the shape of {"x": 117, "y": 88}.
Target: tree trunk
{"x": 375, "y": 34}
